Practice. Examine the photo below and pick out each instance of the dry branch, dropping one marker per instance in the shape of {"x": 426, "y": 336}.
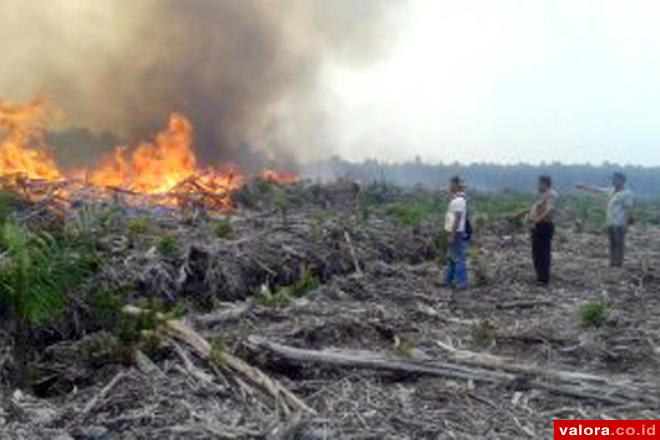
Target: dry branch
{"x": 566, "y": 383}
{"x": 103, "y": 393}
{"x": 351, "y": 249}
{"x": 225, "y": 315}
{"x": 180, "y": 331}
{"x": 522, "y": 304}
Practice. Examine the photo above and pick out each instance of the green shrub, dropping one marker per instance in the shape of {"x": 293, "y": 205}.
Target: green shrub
{"x": 482, "y": 334}
{"x": 278, "y": 299}
{"x": 106, "y": 306}
{"x": 307, "y": 281}
{"x": 8, "y": 204}
{"x": 37, "y": 272}
{"x": 167, "y": 246}
{"x": 283, "y": 295}
{"x": 138, "y": 225}
{"x": 403, "y": 347}
{"x": 283, "y": 204}
{"x": 178, "y": 310}
{"x": 593, "y": 314}
{"x": 218, "y": 349}
{"x": 410, "y": 214}
{"x": 223, "y": 228}
{"x": 150, "y": 344}
{"x": 129, "y": 329}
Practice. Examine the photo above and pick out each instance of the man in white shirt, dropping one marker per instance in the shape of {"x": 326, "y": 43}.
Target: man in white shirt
{"x": 619, "y": 200}
{"x": 455, "y": 222}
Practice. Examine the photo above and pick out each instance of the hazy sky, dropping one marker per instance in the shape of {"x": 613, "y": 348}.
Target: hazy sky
{"x": 509, "y": 81}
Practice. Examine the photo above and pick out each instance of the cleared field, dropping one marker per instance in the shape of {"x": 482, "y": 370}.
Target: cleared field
{"x": 333, "y": 294}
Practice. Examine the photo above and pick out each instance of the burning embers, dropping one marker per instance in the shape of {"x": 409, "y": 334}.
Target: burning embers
{"x": 164, "y": 171}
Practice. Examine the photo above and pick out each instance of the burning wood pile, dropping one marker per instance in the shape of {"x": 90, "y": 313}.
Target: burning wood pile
{"x": 162, "y": 173}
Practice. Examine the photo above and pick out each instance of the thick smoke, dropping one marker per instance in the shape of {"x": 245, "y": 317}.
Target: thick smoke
{"x": 246, "y": 72}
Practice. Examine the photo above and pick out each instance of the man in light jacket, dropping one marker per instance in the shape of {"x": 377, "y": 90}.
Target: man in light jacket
{"x": 619, "y": 201}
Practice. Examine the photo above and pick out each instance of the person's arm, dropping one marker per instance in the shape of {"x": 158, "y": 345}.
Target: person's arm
{"x": 628, "y": 203}
{"x": 458, "y": 217}
{"x": 520, "y": 214}
{"x": 592, "y": 189}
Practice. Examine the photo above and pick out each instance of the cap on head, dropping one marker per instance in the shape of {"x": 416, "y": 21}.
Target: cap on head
{"x": 456, "y": 182}
{"x": 546, "y": 180}
{"x": 619, "y": 177}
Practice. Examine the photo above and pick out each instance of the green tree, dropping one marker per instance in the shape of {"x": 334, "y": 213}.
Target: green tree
{"x": 36, "y": 273}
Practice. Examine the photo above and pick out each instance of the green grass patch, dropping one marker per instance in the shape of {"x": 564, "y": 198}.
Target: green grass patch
{"x": 482, "y": 334}
{"x": 283, "y": 295}
{"x": 276, "y": 300}
{"x": 138, "y": 225}
{"x": 403, "y": 347}
{"x": 593, "y": 314}
{"x": 8, "y": 205}
{"x": 167, "y": 246}
{"x": 223, "y": 228}
{"x": 218, "y": 349}
{"x": 412, "y": 213}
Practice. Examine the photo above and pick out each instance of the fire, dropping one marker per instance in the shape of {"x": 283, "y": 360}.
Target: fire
{"x": 165, "y": 170}
{"x": 151, "y": 168}
{"x": 22, "y": 151}
{"x": 282, "y": 177}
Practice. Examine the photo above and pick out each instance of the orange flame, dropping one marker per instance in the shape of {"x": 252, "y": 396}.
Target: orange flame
{"x": 151, "y": 167}
{"x": 22, "y": 151}
{"x": 166, "y": 168}
{"x": 283, "y": 177}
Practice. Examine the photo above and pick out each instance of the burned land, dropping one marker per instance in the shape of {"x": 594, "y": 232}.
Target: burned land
{"x": 317, "y": 311}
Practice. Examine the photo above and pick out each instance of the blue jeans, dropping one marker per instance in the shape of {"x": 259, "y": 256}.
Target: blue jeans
{"x": 456, "y": 265}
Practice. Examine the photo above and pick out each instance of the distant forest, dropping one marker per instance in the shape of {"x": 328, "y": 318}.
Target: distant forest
{"x": 644, "y": 181}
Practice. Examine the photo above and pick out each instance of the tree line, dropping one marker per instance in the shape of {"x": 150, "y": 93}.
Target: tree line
{"x": 485, "y": 177}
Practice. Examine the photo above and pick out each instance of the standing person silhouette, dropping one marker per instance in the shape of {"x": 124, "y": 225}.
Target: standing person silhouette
{"x": 540, "y": 219}
{"x": 456, "y": 276}
{"x": 617, "y": 218}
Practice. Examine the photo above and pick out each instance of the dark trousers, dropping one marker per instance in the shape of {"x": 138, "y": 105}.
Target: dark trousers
{"x": 617, "y": 236}
{"x": 542, "y": 250}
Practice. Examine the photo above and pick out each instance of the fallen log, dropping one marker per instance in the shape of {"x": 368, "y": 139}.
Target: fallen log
{"x": 489, "y": 361}
{"x": 181, "y": 332}
{"x": 522, "y": 304}
{"x": 566, "y": 383}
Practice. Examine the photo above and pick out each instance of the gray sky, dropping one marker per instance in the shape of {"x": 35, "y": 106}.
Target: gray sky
{"x": 508, "y": 81}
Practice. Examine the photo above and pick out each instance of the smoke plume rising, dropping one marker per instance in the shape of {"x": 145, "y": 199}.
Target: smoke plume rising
{"x": 246, "y": 72}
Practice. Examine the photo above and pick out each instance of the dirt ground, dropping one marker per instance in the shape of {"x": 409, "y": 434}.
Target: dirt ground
{"x": 380, "y": 290}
